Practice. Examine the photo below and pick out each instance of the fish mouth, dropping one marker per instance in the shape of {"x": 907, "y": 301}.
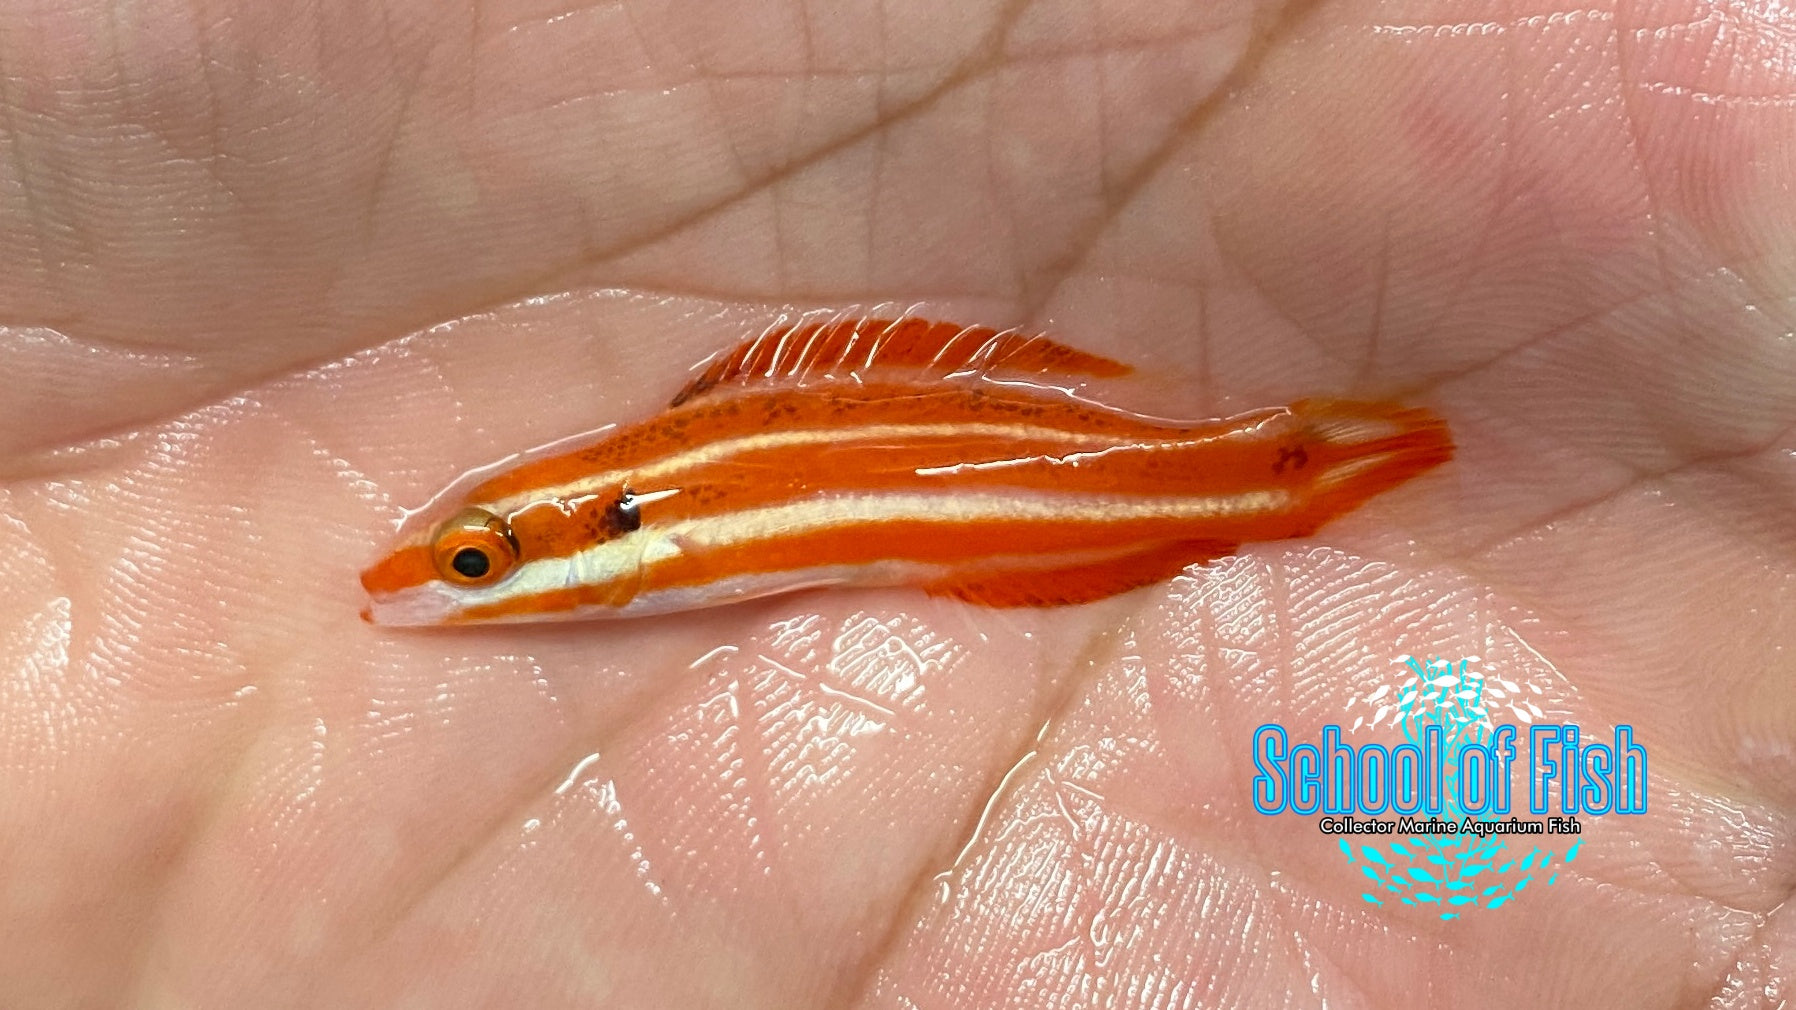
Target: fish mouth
{"x": 404, "y": 569}
{"x": 404, "y": 590}
{"x": 410, "y": 608}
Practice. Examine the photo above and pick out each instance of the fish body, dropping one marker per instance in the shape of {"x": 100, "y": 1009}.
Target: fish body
{"x": 869, "y": 452}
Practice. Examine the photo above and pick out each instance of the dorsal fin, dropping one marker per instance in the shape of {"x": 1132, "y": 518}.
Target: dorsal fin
{"x": 856, "y": 347}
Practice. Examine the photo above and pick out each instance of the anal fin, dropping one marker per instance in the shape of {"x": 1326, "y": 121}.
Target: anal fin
{"x": 1081, "y": 583}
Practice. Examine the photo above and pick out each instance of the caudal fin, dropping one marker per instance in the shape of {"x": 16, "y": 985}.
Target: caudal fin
{"x": 1362, "y": 449}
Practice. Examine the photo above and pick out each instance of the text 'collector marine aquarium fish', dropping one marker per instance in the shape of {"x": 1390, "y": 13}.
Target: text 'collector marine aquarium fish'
{"x": 874, "y": 452}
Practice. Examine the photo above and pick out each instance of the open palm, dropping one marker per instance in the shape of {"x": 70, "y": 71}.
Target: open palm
{"x": 271, "y": 275}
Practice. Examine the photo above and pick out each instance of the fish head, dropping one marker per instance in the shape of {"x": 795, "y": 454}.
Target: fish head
{"x": 470, "y": 561}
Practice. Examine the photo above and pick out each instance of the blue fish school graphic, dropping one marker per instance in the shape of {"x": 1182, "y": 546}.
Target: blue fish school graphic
{"x": 1429, "y": 822}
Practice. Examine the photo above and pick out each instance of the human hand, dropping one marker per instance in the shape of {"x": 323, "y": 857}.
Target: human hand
{"x": 272, "y": 276}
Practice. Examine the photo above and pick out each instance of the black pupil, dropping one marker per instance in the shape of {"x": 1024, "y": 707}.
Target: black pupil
{"x": 471, "y": 562}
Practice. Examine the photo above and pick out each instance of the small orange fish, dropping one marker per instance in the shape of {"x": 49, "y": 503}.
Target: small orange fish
{"x": 872, "y": 452}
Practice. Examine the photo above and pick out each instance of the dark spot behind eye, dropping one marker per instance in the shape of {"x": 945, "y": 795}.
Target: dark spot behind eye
{"x": 1296, "y": 456}
{"x": 624, "y": 515}
{"x": 471, "y": 562}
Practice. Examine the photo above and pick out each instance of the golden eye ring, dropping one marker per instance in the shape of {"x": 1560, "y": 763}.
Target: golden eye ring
{"x": 475, "y": 548}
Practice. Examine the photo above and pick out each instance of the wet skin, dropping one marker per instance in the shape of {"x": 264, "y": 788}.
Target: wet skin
{"x": 229, "y": 237}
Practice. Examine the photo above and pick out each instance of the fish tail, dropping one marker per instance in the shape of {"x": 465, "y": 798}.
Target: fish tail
{"x": 1357, "y": 450}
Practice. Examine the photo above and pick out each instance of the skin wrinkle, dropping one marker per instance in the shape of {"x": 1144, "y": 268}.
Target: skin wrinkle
{"x": 1216, "y": 850}
{"x": 1685, "y": 884}
{"x": 15, "y": 143}
{"x": 867, "y": 706}
{"x": 1101, "y": 65}
{"x": 214, "y": 111}
{"x": 776, "y": 197}
{"x": 383, "y": 163}
{"x": 1725, "y": 984}
{"x": 1540, "y": 523}
{"x": 554, "y": 280}
{"x": 209, "y": 165}
{"x": 1296, "y": 326}
{"x": 504, "y": 821}
{"x": 1089, "y": 901}
{"x": 1655, "y": 216}
{"x": 970, "y": 69}
{"x": 540, "y": 19}
{"x": 877, "y": 188}
{"x": 351, "y": 477}
{"x": 1186, "y": 130}
{"x": 757, "y": 775}
{"x": 912, "y": 902}
{"x": 138, "y": 350}
{"x": 171, "y": 860}
{"x": 1019, "y": 275}
{"x": 1369, "y": 361}
{"x": 709, "y": 81}
{"x": 810, "y": 43}
{"x": 1533, "y": 342}
{"x": 210, "y": 812}
{"x": 1204, "y": 337}
{"x": 1504, "y": 197}
{"x": 471, "y": 96}
{"x": 880, "y": 152}
{"x": 1636, "y": 141}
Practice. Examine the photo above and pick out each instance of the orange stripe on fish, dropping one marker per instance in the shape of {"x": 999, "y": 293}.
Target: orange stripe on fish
{"x": 874, "y": 452}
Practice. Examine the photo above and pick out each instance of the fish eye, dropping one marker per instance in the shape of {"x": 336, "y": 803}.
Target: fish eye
{"x": 475, "y": 548}
{"x": 471, "y": 562}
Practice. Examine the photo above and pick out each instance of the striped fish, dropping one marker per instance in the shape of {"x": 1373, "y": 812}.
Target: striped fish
{"x": 871, "y": 452}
